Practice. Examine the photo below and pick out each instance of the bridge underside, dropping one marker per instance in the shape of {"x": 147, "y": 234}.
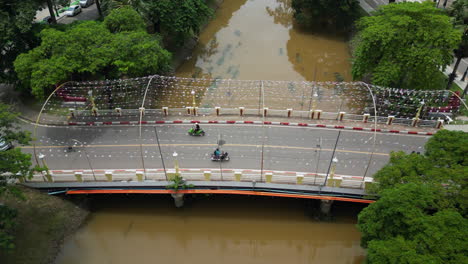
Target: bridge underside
{"x": 211, "y": 187}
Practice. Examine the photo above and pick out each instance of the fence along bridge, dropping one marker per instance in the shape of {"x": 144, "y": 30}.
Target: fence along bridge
{"x": 206, "y": 181}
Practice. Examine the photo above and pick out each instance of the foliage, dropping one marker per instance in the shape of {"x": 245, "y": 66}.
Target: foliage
{"x": 89, "y": 50}
{"x": 7, "y": 223}
{"x": 177, "y": 20}
{"x": 404, "y": 45}
{"x": 12, "y": 164}
{"x": 459, "y": 11}
{"x": 17, "y": 33}
{"x": 178, "y": 183}
{"x": 126, "y": 19}
{"x": 420, "y": 216}
{"x": 336, "y": 14}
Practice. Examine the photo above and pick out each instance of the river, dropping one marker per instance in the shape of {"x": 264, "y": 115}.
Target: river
{"x": 257, "y": 40}
{"x": 254, "y": 39}
{"x": 214, "y": 229}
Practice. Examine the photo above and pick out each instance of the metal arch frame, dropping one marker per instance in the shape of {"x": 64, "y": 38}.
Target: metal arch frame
{"x": 39, "y": 116}
{"x": 140, "y": 123}
{"x": 375, "y": 130}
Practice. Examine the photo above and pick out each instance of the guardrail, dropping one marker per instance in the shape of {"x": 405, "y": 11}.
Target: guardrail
{"x": 225, "y": 175}
{"x": 130, "y": 114}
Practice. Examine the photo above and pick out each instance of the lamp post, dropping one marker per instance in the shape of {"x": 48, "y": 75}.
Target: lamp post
{"x": 86, "y": 155}
{"x": 193, "y": 98}
{"x": 176, "y": 163}
{"x": 319, "y": 146}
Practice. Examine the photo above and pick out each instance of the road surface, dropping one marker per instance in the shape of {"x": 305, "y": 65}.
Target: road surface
{"x": 285, "y": 148}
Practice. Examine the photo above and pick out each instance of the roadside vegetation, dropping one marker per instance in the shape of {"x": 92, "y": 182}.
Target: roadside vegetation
{"x": 421, "y": 213}
{"x": 117, "y": 47}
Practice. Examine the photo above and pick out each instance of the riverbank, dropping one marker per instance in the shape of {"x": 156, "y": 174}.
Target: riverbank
{"x": 181, "y": 54}
{"x": 43, "y": 223}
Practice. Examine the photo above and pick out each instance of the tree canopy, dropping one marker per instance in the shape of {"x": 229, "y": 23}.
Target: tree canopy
{"x": 13, "y": 164}
{"x": 326, "y": 14}
{"x": 176, "y": 20}
{"x": 90, "y": 50}
{"x": 17, "y": 33}
{"x": 420, "y": 216}
{"x": 405, "y": 45}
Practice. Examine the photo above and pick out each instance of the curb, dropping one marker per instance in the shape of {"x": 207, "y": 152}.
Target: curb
{"x": 249, "y": 122}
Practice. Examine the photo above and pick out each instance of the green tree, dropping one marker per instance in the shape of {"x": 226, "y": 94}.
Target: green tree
{"x": 13, "y": 164}
{"x": 177, "y": 20}
{"x": 16, "y": 33}
{"x": 420, "y": 216}
{"x": 126, "y": 19}
{"x": 459, "y": 13}
{"x": 404, "y": 45}
{"x": 335, "y": 14}
{"x": 88, "y": 50}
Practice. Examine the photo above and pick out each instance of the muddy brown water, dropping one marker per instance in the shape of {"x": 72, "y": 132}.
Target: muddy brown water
{"x": 258, "y": 40}
{"x": 215, "y": 229}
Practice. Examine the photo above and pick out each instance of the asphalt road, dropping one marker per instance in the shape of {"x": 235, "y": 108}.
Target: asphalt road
{"x": 285, "y": 148}
{"x": 88, "y": 13}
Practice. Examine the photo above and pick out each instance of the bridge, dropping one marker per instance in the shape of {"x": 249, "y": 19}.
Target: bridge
{"x": 280, "y": 141}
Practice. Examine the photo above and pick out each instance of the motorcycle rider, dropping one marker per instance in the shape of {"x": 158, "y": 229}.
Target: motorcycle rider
{"x": 217, "y": 153}
{"x": 197, "y": 128}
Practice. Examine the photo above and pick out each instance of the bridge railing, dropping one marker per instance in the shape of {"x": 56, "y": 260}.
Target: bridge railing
{"x": 210, "y": 174}
{"x": 190, "y": 112}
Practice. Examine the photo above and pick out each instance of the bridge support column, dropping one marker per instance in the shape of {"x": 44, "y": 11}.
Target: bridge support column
{"x": 139, "y": 175}
{"x": 79, "y": 176}
{"x": 299, "y": 178}
{"x": 318, "y": 114}
{"x": 268, "y": 177}
{"x": 325, "y": 206}
{"x": 439, "y": 123}
{"x": 390, "y": 120}
{"x": 241, "y": 111}
{"x": 108, "y": 175}
{"x": 207, "y": 175}
{"x": 365, "y": 118}
{"x": 72, "y": 112}
{"x": 341, "y": 116}
{"x": 415, "y": 122}
{"x": 238, "y": 175}
{"x": 178, "y": 199}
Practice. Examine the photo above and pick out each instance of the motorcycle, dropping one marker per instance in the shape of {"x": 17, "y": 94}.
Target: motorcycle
{"x": 199, "y": 132}
{"x": 223, "y": 157}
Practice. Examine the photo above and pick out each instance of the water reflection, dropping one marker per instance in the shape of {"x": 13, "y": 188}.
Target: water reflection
{"x": 258, "y": 40}
{"x": 219, "y": 229}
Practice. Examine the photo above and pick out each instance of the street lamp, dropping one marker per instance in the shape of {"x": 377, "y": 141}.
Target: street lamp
{"x": 176, "y": 163}
{"x": 87, "y": 158}
{"x": 193, "y": 98}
